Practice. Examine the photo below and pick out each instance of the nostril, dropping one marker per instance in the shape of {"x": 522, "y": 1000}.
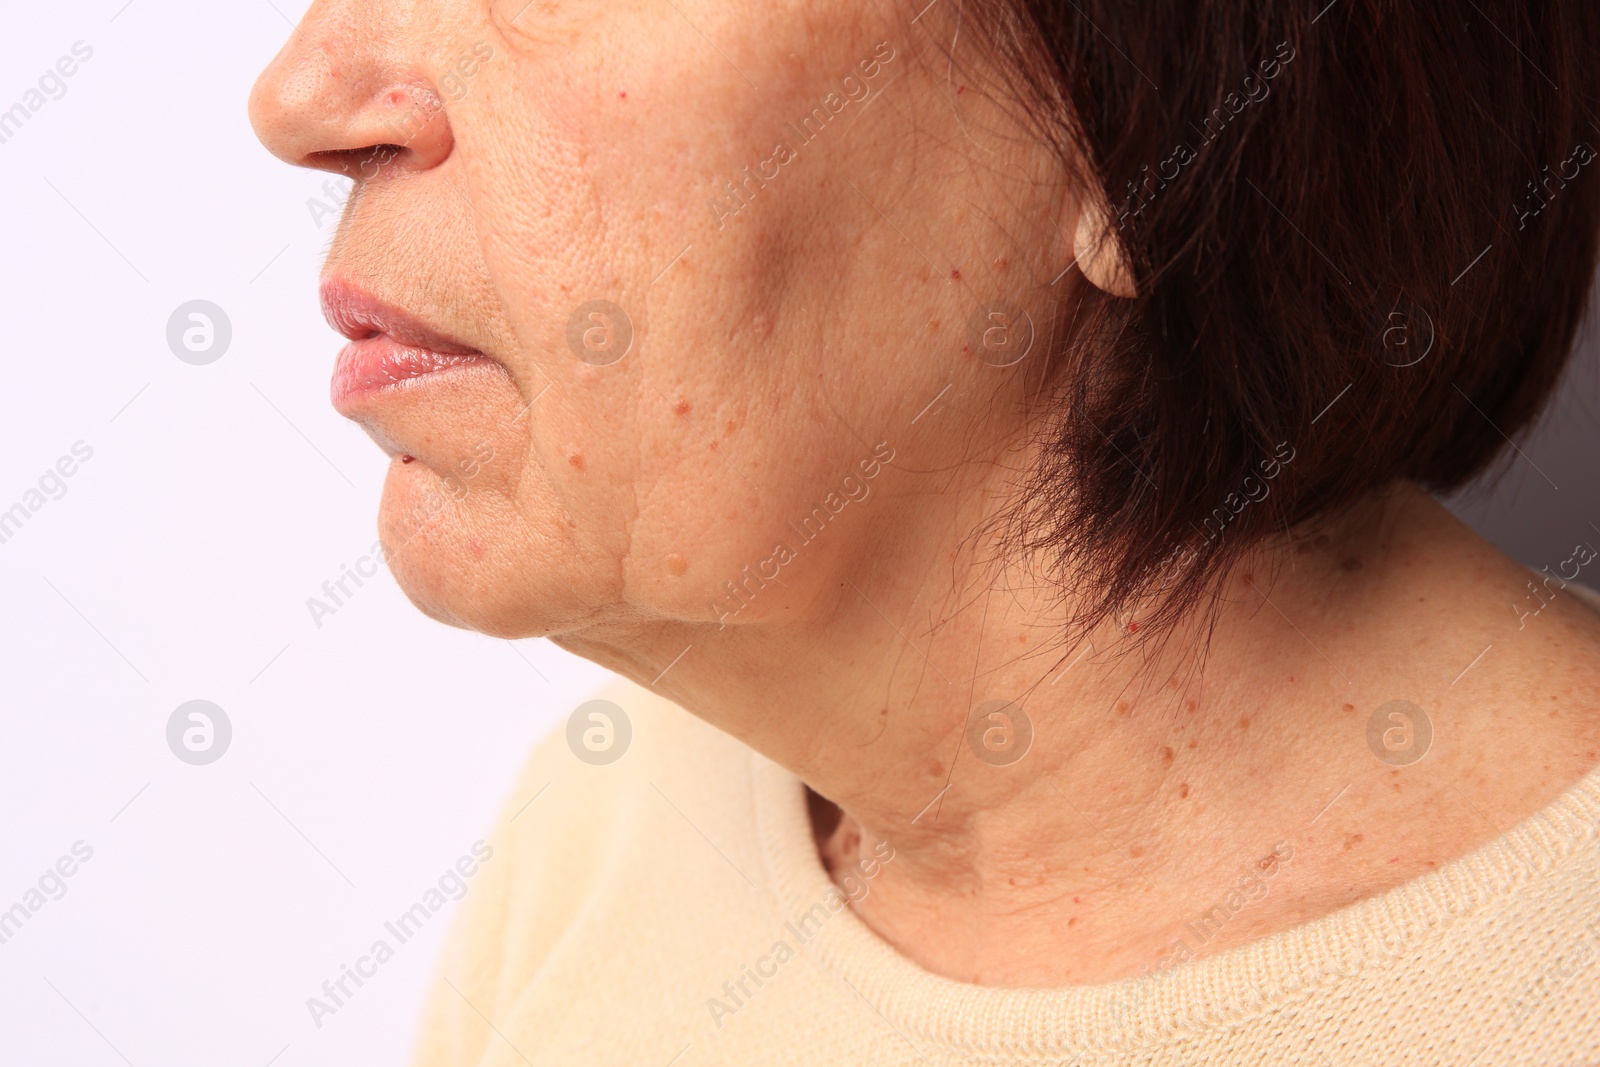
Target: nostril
{"x": 360, "y": 163}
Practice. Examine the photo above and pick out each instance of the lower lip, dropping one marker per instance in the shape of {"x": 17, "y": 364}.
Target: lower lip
{"x": 373, "y": 364}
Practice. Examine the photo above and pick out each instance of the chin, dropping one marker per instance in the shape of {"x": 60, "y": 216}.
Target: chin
{"x": 471, "y": 597}
{"x": 473, "y": 563}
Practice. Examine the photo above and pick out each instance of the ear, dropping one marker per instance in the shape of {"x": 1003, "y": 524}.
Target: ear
{"x": 1098, "y": 255}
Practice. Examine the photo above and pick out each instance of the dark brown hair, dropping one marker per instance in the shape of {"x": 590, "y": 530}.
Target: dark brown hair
{"x": 1363, "y": 239}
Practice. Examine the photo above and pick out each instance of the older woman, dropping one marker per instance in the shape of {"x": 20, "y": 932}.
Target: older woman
{"x": 996, "y": 440}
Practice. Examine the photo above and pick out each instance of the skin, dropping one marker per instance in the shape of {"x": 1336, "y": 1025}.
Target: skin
{"x": 774, "y": 348}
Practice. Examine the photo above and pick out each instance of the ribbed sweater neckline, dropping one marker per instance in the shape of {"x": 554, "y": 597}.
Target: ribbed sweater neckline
{"x": 1216, "y": 991}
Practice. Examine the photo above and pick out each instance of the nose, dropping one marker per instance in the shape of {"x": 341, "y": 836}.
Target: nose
{"x": 346, "y": 95}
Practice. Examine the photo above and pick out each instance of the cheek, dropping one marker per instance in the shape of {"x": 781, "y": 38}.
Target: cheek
{"x": 718, "y": 432}
{"x": 754, "y": 523}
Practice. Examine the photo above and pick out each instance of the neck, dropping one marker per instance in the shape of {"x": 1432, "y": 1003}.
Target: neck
{"x": 1161, "y": 777}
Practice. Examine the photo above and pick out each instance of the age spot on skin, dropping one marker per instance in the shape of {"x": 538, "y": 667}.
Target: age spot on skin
{"x": 576, "y": 459}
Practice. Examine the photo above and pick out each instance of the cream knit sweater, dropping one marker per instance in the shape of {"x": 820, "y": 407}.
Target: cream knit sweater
{"x": 670, "y": 909}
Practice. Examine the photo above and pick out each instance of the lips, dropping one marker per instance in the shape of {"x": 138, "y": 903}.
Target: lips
{"x": 389, "y": 348}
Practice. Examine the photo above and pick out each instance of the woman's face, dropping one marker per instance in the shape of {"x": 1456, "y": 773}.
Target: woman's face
{"x": 681, "y": 273}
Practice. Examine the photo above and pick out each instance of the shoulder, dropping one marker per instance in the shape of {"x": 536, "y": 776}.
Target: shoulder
{"x": 585, "y": 788}
{"x": 630, "y": 799}
{"x": 1515, "y": 648}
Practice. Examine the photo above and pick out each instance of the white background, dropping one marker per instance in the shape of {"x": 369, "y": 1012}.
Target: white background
{"x": 369, "y": 753}
{"x": 191, "y": 541}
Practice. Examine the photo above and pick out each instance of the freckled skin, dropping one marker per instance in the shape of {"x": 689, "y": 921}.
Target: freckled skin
{"x": 530, "y": 192}
{"x": 805, "y": 326}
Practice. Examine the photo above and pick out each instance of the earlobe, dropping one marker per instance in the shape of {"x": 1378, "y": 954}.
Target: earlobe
{"x": 1101, "y": 259}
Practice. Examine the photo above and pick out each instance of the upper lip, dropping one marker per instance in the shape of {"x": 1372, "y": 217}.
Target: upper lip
{"x": 359, "y": 315}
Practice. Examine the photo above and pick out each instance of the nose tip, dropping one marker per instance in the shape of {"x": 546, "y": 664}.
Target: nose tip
{"x": 328, "y": 104}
